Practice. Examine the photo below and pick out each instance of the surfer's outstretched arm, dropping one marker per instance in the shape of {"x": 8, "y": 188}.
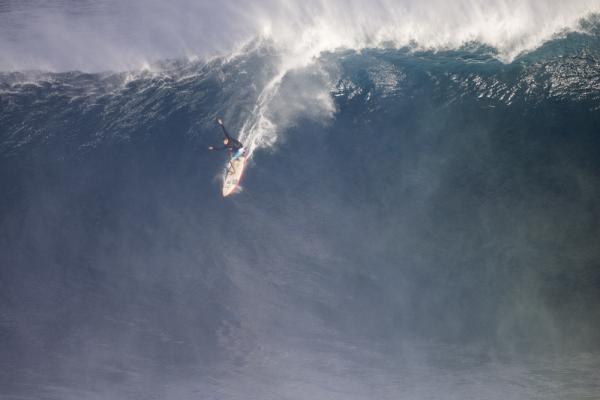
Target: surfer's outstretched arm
{"x": 220, "y": 121}
{"x": 234, "y": 143}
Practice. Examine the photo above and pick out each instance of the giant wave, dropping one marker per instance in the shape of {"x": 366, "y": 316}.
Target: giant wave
{"x": 415, "y": 223}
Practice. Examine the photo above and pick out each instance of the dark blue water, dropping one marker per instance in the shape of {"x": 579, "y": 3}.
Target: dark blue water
{"x": 437, "y": 236}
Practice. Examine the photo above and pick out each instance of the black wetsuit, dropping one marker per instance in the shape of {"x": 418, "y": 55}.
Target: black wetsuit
{"x": 232, "y": 146}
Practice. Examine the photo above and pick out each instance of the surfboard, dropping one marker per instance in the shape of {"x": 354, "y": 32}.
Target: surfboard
{"x": 233, "y": 175}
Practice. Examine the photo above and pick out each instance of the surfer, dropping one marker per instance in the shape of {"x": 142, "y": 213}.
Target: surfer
{"x": 233, "y": 146}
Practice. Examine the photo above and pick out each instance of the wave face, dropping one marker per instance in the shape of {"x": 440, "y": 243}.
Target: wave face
{"x": 413, "y": 224}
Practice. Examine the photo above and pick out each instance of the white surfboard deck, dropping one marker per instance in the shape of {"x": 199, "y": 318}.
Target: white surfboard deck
{"x": 233, "y": 175}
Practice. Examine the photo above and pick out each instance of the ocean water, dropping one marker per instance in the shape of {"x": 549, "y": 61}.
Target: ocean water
{"x": 416, "y": 221}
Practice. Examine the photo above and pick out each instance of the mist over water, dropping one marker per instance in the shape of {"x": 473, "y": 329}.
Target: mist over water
{"x": 419, "y": 218}
{"x": 114, "y": 35}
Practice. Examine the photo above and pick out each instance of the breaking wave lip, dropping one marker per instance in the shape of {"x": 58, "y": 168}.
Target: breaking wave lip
{"x": 109, "y": 36}
{"x": 511, "y": 27}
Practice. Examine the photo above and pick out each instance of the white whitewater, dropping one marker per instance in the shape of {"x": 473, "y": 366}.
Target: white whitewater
{"x": 112, "y": 35}
{"x": 302, "y": 31}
